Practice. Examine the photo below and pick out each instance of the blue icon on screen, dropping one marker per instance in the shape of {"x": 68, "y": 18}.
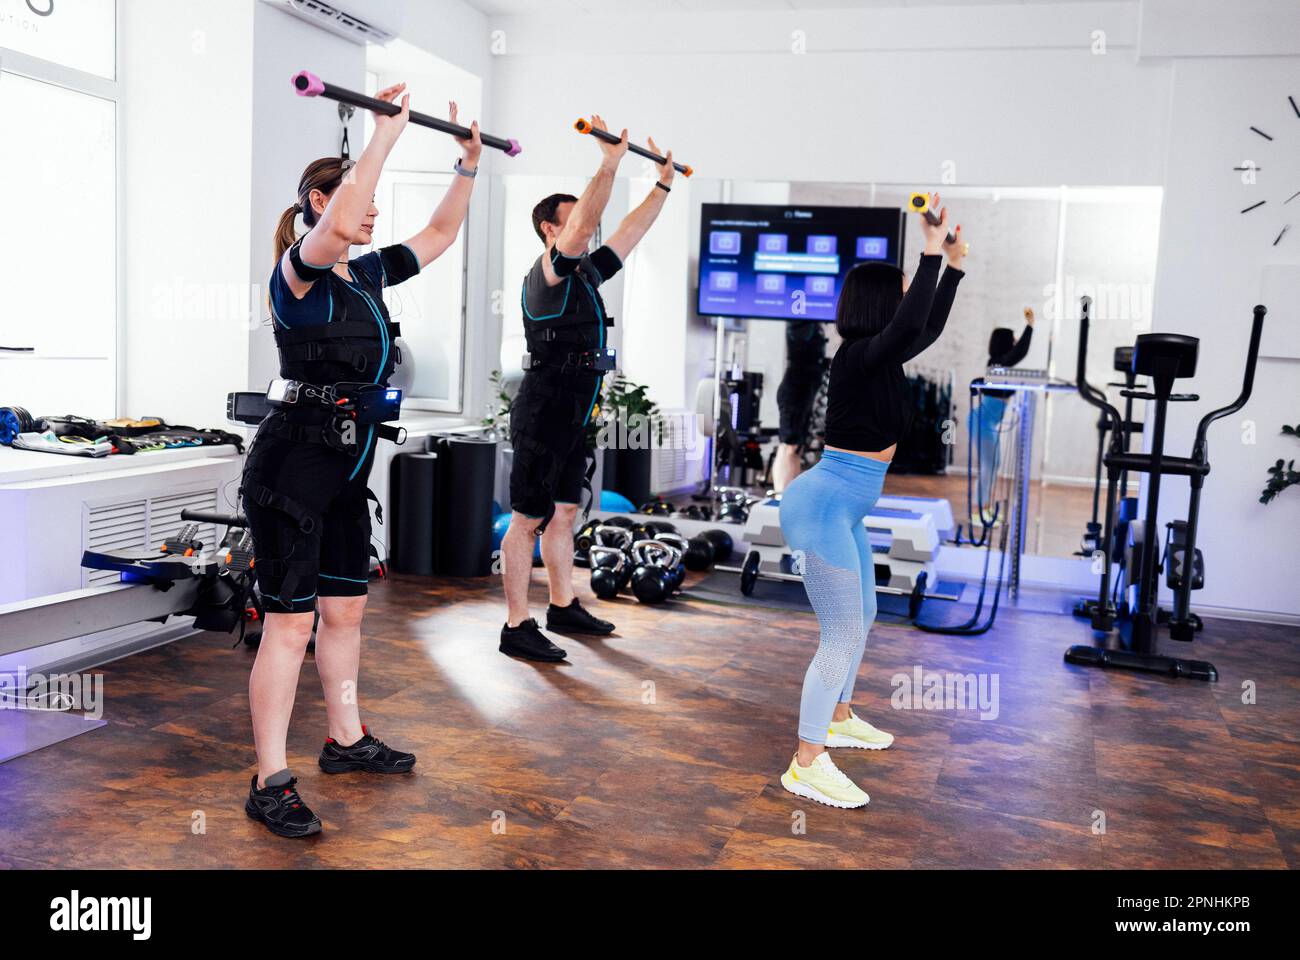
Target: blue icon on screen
{"x": 773, "y": 243}
{"x": 724, "y": 242}
{"x": 820, "y": 286}
{"x": 822, "y": 246}
{"x": 771, "y": 283}
{"x": 723, "y": 281}
{"x": 873, "y": 248}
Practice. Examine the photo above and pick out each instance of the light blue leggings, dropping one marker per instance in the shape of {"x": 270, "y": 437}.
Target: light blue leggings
{"x": 984, "y": 425}
{"x": 821, "y": 518}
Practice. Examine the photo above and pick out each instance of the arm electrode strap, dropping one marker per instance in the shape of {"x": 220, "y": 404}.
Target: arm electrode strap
{"x": 563, "y": 264}
{"x": 398, "y": 263}
{"x": 307, "y": 273}
{"x": 606, "y": 262}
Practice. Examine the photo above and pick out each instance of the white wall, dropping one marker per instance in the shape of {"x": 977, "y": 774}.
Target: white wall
{"x": 1011, "y": 95}
{"x": 1209, "y": 277}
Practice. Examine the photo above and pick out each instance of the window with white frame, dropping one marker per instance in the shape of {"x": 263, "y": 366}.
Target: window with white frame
{"x": 430, "y": 307}
{"x": 60, "y": 295}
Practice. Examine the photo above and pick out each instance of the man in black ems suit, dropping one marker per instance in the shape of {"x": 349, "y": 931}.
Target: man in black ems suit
{"x": 805, "y": 364}
{"x": 565, "y": 324}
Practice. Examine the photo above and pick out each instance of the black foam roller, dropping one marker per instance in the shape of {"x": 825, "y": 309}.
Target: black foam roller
{"x": 413, "y": 525}
{"x": 464, "y": 539}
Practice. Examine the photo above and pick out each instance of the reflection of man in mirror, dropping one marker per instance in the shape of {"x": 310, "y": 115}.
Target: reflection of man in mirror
{"x": 805, "y": 363}
{"x": 986, "y": 414}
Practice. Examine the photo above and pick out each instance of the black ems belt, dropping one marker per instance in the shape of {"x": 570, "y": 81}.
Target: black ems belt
{"x": 362, "y": 403}
{"x": 351, "y": 405}
{"x": 597, "y": 361}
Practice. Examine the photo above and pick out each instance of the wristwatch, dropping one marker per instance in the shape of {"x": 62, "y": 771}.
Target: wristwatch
{"x": 465, "y": 173}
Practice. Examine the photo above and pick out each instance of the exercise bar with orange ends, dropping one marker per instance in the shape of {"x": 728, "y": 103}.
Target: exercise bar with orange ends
{"x": 584, "y": 126}
{"x": 309, "y": 85}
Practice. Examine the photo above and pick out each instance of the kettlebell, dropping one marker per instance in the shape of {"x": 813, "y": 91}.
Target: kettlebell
{"x": 609, "y": 571}
{"x": 653, "y": 577}
{"x": 680, "y": 546}
{"x": 583, "y": 541}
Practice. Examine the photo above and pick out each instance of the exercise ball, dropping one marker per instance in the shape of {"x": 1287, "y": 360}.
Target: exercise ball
{"x": 500, "y": 524}
{"x": 499, "y": 527}
{"x": 613, "y": 502}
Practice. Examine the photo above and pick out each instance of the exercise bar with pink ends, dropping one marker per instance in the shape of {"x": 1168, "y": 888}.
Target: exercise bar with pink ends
{"x": 584, "y": 125}
{"x": 309, "y": 85}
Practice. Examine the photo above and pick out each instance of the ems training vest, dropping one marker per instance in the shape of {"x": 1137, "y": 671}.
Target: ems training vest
{"x": 572, "y": 318}
{"x": 354, "y": 346}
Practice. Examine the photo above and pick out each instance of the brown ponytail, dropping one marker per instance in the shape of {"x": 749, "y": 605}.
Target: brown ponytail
{"x": 286, "y": 233}
{"x": 324, "y": 175}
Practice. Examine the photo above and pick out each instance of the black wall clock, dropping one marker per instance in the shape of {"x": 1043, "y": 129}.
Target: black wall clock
{"x": 1263, "y": 207}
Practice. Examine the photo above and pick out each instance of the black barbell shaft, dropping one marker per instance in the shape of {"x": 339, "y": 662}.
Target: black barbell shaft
{"x": 309, "y": 85}
{"x": 585, "y": 126}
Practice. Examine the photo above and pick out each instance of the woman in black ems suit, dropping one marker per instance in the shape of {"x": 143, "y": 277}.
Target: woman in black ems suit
{"x": 304, "y": 484}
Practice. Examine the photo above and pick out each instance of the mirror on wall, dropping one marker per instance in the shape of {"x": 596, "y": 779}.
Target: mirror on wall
{"x": 1033, "y": 250}
{"x": 1034, "y": 253}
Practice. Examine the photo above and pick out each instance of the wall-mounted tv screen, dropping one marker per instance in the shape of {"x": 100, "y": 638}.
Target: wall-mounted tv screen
{"x": 781, "y": 262}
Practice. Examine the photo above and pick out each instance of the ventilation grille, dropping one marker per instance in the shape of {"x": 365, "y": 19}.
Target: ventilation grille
{"x": 165, "y": 517}
{"x": 679, "y": 455}
{"x": 338, "y": 21}
{"x": 142, "y": 524}
{"x": 112, "y": 527}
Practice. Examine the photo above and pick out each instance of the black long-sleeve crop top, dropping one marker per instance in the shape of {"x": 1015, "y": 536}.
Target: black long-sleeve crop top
{"x": 1010, "y": 358}
{"x": 869, "y": 406}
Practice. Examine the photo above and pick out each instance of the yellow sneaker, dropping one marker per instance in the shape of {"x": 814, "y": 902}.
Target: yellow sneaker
{"x": 856, "y": 732}
{"x": 823, "y": 782}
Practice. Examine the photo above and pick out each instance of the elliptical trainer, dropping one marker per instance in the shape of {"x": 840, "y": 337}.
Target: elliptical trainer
{"x": 1163, "y": 358}
{"x": 1127, "y": 506}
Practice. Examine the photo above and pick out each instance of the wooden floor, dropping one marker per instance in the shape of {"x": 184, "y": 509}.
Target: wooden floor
{"x": 662, "y": 747}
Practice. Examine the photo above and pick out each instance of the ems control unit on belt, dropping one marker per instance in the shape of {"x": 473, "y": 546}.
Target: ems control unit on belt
{"x": 360, "y": 402}
{"x": 598, "y": 361}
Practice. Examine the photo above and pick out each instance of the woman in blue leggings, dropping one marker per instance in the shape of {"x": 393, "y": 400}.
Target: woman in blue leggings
{"x": 884, "y": 322}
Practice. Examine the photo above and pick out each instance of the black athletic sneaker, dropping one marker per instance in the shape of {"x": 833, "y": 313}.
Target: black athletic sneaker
{"x": 528, "y": 641}
{"x": 369, "y": 754}
{"x": 282, "y": 810}
{"x": 574, "y": 619}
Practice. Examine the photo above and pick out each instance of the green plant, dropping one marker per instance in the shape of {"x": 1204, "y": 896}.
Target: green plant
{"x": 498, "y": 408}
{"x": 1281, "y": 475}
{"x": 629, "y": 404}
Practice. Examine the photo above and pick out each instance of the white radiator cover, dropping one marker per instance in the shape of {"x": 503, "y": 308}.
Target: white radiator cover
{"x": 51, "y": 520}
{"x": 72, "y": 506}
{"x": 679, "y": 460}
